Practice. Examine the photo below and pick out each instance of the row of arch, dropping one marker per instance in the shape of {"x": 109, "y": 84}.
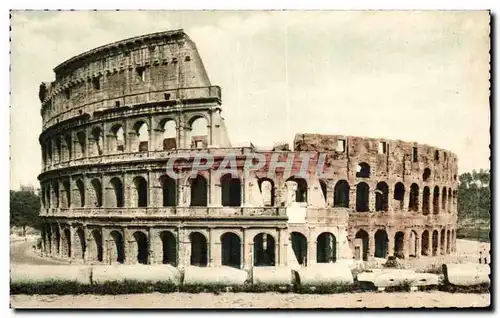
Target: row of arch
{"x": 231, "y": 194}
{"x": 429, "y": 243}
{"x": 100, "y": 142}
{"x": 264, "y": 247}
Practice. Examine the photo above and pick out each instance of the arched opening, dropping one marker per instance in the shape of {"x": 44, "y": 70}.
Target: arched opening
{"x": 362, "y": 197}
{"x": 96, "y": 199}
{"x": 43, "y": 191}
{"x": 425, "y": 243}
{"x": 426, "y": 174}
{"x": 199, "y": 191}
{"x": 264, "y": 250}
{"x": 57, "y": 235}
{"x": 55, "y": 188}
{"x": 69, "y": 146}
{"x": 198, "y": 132}
{"x": 49, "y": 240}
{"x": 323, "y": 186}
{"x": 361, "y": 246}
{"x": 299, "y": 246}
{"x": 326, "y": 248}
{"x": 82, "y": 144}
{"x": 141, "y": 246}
{"x": 96, "y": 249}
{"x": 231, "y": 190}
{"x": 169, "y": 248}
{"x": 399, "y": 244}
{"x": 199, "y": 249}
{"x": 381, "y": 244}
{"x": 116, "y": 197}
{"x": 97, "y": 141}
{"x": 169, "y": 140}
{"x": 443, "y": 241}
{"x": 382, "y": 197}
{"x": 168, "y": 191}
{"x": 450, "y": 202}
{"x": 117, "y": 251}
{"x": 49, "y": 150}
{"x": 67, "y": 192}
{"x": 448, "y": 242}
{"x": 81, "y": 191}
{"x": 141, "y": 139}
{"x": 425, "y": 202}
{"x": 141, "y": 191}
{"x": 435, "y": 242}
{"x": 443, "y": 201}
{"x": 413, "y": 204}
{"x": 48, "y": 196}
{"x": 117, "y": 139}
{"x": 266, "y": 187}
{"x": 231, "y": 250}
{"x": 81, "y": 244}
{"x": 67, "y": 243}
{"x": 58, "y": 149}
{"x": 413, "y": 244}
{"x": 341, "y": 194}
{"x": 301, "y": 191}
{"x": 399, "y": 196}
{"x": 435, "y": 201}
{"x": 363, "y": 170}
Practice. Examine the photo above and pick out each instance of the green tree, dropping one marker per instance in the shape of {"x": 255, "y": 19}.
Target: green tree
{"x": 474, "y": 196}
{"x": 24, "y": 208}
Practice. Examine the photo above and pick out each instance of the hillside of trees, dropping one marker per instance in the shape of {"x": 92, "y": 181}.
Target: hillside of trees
{"x": 24, "y": 208}
{"x": 474, "y": 196}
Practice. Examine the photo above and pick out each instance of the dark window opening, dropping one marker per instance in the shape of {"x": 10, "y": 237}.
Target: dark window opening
{"x": 436, "y": 155}
{"x": 362, "y": 197}
{"x": 326, "y": 248}
{"x": 415, "y": 154}
{"x": 382, "y": 147}
{"x": 141, "y": 187}
{"x": 199, "y": 191}
{"x": 426, "y": 174}
{"x": 96, "y": 83}
{"x": 231, "y": 191}
{"x": 341, "y": 194}
{"x": 365, "y": 240}
{"x": 67, "y": 93}
{"x": 382, "y": 197}
{"x": 199, "y": 249}
{"x": 169, "y": 248}
{"x": 187, "y": 59}
{"x": 264, "y": 250}
{"x": 381, "y": 244}
{"x": 413, "y": 204}
{"x": 166, "y": 96}
{"x": 169, "y": 191}
{"x": 399, "y": 241}
{"x": 142, "y": 247}
{"x": 425, "y": 202}
{"x": 363, "y": 170}
{"x": 299, "y": 246}
{"x": 399, "y": 194}
{"x": 141, "y": 73}
{"x": 118, "y": 253}
{"x": 231, "y": 250}
{"x": 117, "y": 104}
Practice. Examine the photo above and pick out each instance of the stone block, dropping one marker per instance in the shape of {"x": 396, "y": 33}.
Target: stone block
{"x": 141, "y": 273}
{"x": 224, "y": 275}
{"x": 46, "y": 273}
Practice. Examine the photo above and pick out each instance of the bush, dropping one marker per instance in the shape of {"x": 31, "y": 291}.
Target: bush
{"x": 404, "y": 286}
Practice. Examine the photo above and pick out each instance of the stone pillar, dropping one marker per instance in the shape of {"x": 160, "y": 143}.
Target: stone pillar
{"x": 214, "y": 249}
{"x": 184, "y": 248}
{"x": 247, "y": 249}
{"x": 420, "y": 199}
{"x": 430, "y": 248}
{"x": 406, "y": 244}
{"x": 329, "y": 196}
{"x": 154, "y": 246}
{"x": 311, "y": 250}
{"x": 283, "y": 247}
{"x": 391, "y": 242}
{"x": 151, "y": 135}
{"x": 406, "y": 200}
{"x": 128, "y": 247}
{"x": 371, "y": 244}
{"x": 371, "y": 197}
{"x": 418, "y": 247}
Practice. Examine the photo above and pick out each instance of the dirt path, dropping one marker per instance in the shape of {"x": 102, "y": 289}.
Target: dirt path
{"x": 244, "y": 300}
{"x": 20, "y": 253}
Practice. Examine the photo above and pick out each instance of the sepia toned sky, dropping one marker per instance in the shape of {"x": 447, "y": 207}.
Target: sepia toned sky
{"x": 414, "y": 76}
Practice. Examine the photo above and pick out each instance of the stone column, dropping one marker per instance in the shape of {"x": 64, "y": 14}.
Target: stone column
{"x": 371, "y": 197}
{"x": 420, "y": 199}
{"x": 311, "y": 250}
{"x": 283, "y": 247}
{"x": 406, "y": 244}
{"x": 429, "y": 246}
{"x": 184, "y": 248}
{"x": 371, "y": 244}
{"x": 406, "y": 200}
{"x": 154, "y": 244}
{"x": 418, "y": 247}
{"x": 214, "y": 248}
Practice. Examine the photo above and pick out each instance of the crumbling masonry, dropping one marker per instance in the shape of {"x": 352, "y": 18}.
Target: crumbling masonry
{"x": 114, "y": 115}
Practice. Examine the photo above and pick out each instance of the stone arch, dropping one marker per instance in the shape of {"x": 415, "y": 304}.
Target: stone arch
{"x": 48, "y": 195}
{"x": 450, "y": 202}
{"x": 140, "y": 141}
{"x": 67, "y": 192}
{"x": 266, "y": 187}
{"x": 301, "y": 191}
{"x": 198, "y": 131}
{"x": 448, "y": 241}
{"x": 426, "y": 175}
{"x": 264, "y": 248}
{"x": 58, "y": 149}
{"x": 97, "y": 192}
{"x": 168, "y": 127}
{"x": 413, "y": 244}
{"x": 116, "y": 196}
{"x": 80, "y": 244}
{"x": 69, "y": 145}
{"x": 199, "y": 190}
{"x": 341, "y": 194}
{"x": 55, "y": 190}
{"x": 399, "y": 195}
{"x": 443, "y": 241}
{"x": 117, "y": 251}
{"x": 82, "y": 143}
{"x": 414, "y": 193}
{"x": 66, "y": 239}
{"x": 363, "y": 170}
{"x": 96, "y": 248}
{"x": 365, "y": 241}
{"x": 230, "y": 190}
{"x": 140, "y": 186}
{"x": 362, "y": 197}
{"x": 48, "y": 146}
{"x": 141, "y": 247}
{"x": 169, "y": 248}
{"x": 57, "y": 235}
{"x": 443, "y": 199}
{"x": 425, "y": 201}
{"x": 299, "y": 246}
{"x": 48, "y": 233}
{"x": 382, "y": 197}
{"x": 381, "y": 244}
{"x": 435, "y": 242}
{"x": 81, "y": 192}
{"x": 425, "y": 243}
{"x": 199, "y": 249}
{"x": 97, "y": 141}
{"x": 116, "y": 141}
{"x": 435, "y": 200}
{"x": 230, "y": 250}
{"x": 399, "y": 244}
{"x": 326, "y": 248}
{"x": 169, "y": 191}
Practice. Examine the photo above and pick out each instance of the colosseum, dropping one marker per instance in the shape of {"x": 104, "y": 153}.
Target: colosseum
{"x": 115, "y": 115}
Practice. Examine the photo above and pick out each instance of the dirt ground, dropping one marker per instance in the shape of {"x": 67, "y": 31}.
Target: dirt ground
{"x": 244, "y": 300}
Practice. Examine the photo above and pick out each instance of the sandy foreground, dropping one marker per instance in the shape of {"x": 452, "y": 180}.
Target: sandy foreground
{"x": 250, "y": 300}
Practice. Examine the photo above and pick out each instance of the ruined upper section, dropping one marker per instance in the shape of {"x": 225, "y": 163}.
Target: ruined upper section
{"x": 151, "y": 68}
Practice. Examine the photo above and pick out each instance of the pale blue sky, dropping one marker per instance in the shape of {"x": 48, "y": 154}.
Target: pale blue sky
{"x": 415, "y": 76}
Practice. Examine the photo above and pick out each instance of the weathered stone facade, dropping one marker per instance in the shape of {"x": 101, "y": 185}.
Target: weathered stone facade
{"x": 116, "y": 114}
